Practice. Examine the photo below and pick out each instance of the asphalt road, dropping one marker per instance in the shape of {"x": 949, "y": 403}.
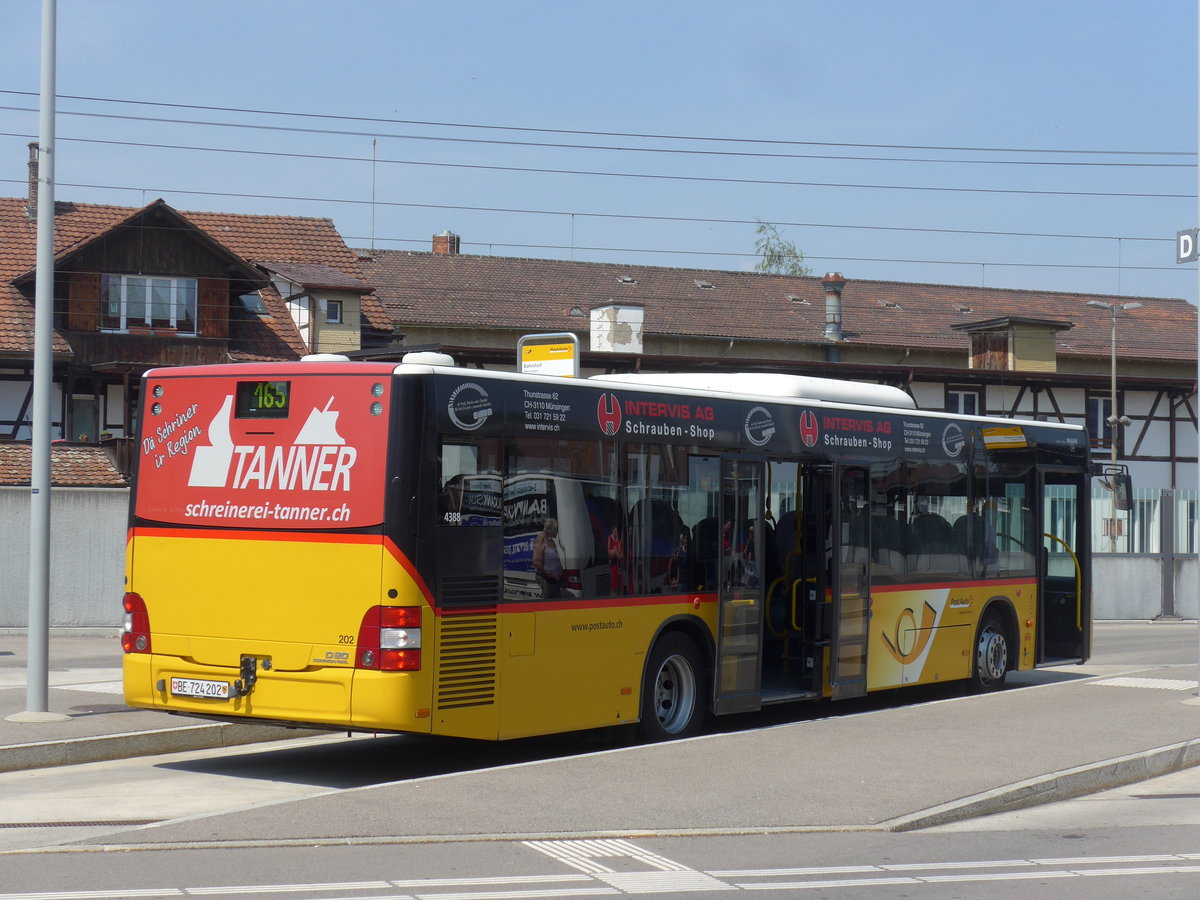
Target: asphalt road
{"x": 1140, "y": 840}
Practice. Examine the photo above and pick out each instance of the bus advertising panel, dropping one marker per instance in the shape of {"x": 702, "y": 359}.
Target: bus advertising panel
{"x": 283, "y": 451}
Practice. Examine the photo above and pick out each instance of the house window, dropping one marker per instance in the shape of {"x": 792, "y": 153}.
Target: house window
{"x": 964, "y": 401}
{"x": 253, "y": 302}
{"x": 333, "y": 312}
{"x": 84, "y": 419}
{"x": 1099, "y": 410}
{"x": 133, "y": 301}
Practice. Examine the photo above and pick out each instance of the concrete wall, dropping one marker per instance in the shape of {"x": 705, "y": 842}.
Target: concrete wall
{"x": 1129, "y": 586}
{"x": 87, "y": 556}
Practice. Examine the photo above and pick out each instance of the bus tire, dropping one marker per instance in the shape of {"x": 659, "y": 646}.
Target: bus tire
{"x": 989, "y": 665}
{"x": 673, "y": 690}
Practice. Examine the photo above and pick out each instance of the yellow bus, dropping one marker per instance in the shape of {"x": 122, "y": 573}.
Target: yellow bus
{"x": 416, "y": 547}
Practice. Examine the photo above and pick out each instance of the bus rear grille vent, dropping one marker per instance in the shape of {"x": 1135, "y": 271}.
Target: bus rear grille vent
{"x": 469, "y": 590}
{"x": 466, "y": 674}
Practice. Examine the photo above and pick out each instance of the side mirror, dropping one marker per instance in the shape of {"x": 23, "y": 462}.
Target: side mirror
{"x": 1122, "y": 487}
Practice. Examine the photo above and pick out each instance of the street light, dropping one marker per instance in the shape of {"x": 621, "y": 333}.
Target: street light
{"x": 1113, "y": 421}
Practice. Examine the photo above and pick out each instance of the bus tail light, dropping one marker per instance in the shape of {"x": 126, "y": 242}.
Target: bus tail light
{"x": 389, "y": 639}
{"x": 135, "y": 633}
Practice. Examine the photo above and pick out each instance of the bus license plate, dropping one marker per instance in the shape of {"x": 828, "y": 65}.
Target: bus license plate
{"x": 196, "y": 687}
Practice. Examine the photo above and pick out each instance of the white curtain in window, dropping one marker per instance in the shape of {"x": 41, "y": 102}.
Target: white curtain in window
{"x": 160, "y": 299}
{"x": 135, "y": 301}
{"x": 185, "y": 311}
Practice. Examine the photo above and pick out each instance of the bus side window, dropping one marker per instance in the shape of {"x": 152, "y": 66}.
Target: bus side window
{"x": 469, "y": 483}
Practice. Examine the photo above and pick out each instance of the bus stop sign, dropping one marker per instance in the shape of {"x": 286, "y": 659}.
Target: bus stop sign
{"x": 549, "y": 354}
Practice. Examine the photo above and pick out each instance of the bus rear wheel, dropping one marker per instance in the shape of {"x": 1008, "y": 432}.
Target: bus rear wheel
{"x": 990, "y": 665}
{"x": 672, "y": 690}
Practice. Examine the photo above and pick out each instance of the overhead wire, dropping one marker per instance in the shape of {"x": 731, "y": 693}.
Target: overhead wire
{"x": 670, "y": 177}
{"x": 637, "y": 175}
{"x": 635, "y": 216}
{"x": 592, "y": 133}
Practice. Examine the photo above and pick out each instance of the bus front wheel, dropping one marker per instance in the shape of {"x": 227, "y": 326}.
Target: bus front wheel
{"x": 990, "y": 665}
{"x": 672, "y": 690}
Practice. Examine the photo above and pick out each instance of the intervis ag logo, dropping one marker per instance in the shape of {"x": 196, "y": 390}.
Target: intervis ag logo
{"x": 318, "y": 459}
{"x": 608, "y": 413}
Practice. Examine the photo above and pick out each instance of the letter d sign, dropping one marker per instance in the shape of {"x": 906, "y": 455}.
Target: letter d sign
{"x": 1185, "y": 246}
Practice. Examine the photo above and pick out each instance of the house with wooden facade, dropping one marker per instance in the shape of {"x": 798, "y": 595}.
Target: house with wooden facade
{"x": 136, "y": 288}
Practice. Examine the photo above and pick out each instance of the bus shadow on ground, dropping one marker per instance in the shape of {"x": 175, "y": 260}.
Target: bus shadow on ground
{"x": 361, "y": 761}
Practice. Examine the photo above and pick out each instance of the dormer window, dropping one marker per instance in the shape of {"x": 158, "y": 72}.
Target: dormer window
{"x": 137, "y": 301}
{"x": 333, "y": 312}
{"x": 253, "y": 302}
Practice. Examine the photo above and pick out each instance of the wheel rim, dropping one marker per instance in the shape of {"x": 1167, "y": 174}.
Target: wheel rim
{"x": 674, "y": 694}
{"x": 991, "y": 655}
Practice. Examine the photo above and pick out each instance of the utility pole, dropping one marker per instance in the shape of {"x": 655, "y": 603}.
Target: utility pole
{"x": 1115, "y": 421}
{"x": 38, "y": 665}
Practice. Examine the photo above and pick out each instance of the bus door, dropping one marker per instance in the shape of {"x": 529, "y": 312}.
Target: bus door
{"x": 1064, "y": 588}
{"x": 798, "y": 590}
{"x": 852, "y": 584}
{"x": 737, "y": 675}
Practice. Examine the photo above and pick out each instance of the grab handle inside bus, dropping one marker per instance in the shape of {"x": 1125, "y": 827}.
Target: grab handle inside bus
{"x": 1078, "y": 579}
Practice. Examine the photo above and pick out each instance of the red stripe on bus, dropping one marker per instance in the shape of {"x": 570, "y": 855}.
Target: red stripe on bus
{"x": 952, "y": 585}
{"x": 407, "y": 565}
{"x": 235, "y": 535}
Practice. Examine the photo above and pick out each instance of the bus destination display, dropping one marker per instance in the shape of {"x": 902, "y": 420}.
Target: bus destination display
{"x": 263, "y": 399}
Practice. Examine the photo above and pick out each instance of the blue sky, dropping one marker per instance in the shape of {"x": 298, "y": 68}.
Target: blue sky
{"x": 778, "y": 101}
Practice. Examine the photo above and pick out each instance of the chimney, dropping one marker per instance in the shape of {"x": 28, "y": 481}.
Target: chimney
{"x": 31, "y": 203}
{"x": 445, "y": 244}
{"x": 833, "y": 283}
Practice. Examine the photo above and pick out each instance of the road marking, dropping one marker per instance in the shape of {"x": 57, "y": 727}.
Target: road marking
{"x": 89, "y": 895}
{"x": 524, "y": 893}
{"x": 662, "y": 875}
{"x": 285, "y": 888}
{"x": 1164, "y": 684}
{"x": 106, "y": 681}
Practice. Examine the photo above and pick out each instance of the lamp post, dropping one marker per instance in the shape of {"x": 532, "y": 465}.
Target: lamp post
{"x": 1113, "y": 420}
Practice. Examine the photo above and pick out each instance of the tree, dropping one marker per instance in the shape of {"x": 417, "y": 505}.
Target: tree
{"x": 778, "y": 255}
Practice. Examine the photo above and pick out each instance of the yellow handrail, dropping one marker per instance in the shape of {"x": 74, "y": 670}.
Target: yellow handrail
{"x": 1078, "y": 579}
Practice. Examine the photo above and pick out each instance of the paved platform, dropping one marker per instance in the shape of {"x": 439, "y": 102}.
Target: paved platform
{"x": 1054, "y": 734}
{"x": 88, "y": 720}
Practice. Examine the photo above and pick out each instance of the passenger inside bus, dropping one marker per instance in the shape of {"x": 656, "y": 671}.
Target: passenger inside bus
{"x": 616, "y": 559}
{"x": 547, "y": 560}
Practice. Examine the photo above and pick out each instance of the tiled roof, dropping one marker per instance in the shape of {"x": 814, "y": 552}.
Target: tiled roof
{"x": 71, "y": 465}
{"x": 322, "y": 277}
{"x": 316, "y": 277}
{"x": 504, "y": 292}
{"x": 251, "y": 344}
{"x": 293, "y": 239}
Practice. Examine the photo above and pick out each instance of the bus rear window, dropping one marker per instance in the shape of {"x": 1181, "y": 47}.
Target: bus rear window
{"x": 308, "y": 452}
